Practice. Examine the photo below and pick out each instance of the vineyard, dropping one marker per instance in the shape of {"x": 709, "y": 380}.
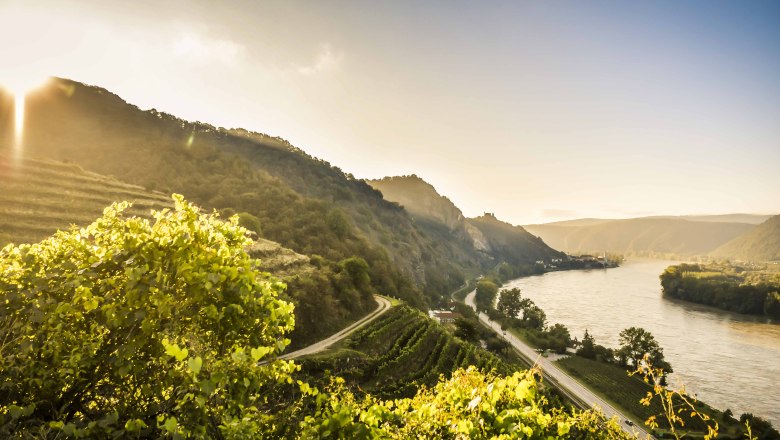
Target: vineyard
{"x": 38, "y": 197}
{"x": 626, "y": 392}
{"x": 402, "y": 350}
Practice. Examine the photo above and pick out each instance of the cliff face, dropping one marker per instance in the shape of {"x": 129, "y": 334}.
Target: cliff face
{"x": 421, "y": 199}
{"x": 489, "y": 238}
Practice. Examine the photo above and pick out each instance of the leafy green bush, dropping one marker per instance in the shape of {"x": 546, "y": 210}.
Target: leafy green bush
{"x": 132, "y": 326}
{"x": 469, "y": 405}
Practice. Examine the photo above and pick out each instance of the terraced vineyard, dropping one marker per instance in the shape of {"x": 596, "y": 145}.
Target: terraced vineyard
{"x": 38, "y": 197}
{"x": 404, "y": 349}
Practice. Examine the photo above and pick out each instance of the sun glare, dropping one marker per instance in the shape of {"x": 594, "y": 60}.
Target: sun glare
{"x": 20, "y": 88}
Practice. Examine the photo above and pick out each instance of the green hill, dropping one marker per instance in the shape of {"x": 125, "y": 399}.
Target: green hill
{"x": 301, "y": 202}
{"x": 39, "y": 197}
{"x": 761, "y": 243}
{"x": 649, "y": 236}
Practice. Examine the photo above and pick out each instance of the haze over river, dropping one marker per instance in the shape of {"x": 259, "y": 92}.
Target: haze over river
{"x": 726, "y": 359}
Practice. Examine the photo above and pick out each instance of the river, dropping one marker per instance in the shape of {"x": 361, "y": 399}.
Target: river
{"x": 726, "y": 359}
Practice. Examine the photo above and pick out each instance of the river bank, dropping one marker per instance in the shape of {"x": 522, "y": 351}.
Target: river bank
{"x": 728, "y": 360}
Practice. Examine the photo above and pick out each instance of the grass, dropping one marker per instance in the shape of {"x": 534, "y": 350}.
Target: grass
{"x": 625, "y": 392}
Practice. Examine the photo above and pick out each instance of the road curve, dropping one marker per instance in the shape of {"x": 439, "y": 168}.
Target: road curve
{"x": 384, "y": 305}
{"x": 559, "y": 378}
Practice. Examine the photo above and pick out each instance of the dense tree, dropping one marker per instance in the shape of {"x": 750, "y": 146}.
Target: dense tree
{"x": 466, "y": 330}
{"x": 510, "y": 303}
{"x": 533, "y": 317}
{"x": 485, "y": 296}
{"x": 725, "y": 286}
{"x": 558, "y": 338}
{"x": 587, "y": 347}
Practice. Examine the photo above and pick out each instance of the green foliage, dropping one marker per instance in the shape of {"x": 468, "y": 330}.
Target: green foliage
{"x": 468, "y": 405}
{"x": 754, "y": 289}
{"x": 128, "y": 326}
{"x": 587, "y": 347}
{"x": 759, "y": 428}
{"x": 637, "y": 344}
{"x": 510, "y": 303}
{"x": 626, "y": 392}
{"x": 485, "y": 296}
{"x": 400, "y": 351}
{"x": 466, "y": 330}
{"x": 677, "y": 405}
{"x": 249, "y": 221}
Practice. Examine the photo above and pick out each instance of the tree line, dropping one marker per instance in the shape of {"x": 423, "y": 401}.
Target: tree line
{"x": 727, "y": 287}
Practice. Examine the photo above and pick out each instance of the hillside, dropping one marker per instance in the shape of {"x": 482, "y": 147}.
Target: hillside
{"x": 654, "y": 237}
{"x": 509, "y": 243}
{"x": 492, "y": 240}
{"x": 38, "y": 197}
{"x": 301, "y": 202}
{"x": 421, "y": 199}
{"x": 761, "y": 243}
{"x": 400, "y": 351}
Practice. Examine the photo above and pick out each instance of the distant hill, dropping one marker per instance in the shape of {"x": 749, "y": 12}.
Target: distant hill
{"x": 761, "y": 243}
{"x": 510, "y": 243}
{"x": 649, "y": 236}
{"x": 753, "y": 219}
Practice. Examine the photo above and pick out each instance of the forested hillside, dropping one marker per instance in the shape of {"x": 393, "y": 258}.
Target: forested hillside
{"x": 649, "y": 236}
{"x": 301, "y": 202}
{"x": 761, "y": 243}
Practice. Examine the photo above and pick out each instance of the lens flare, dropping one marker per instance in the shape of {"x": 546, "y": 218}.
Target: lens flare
{"x": 19, "y": 88}
{"x": 19, "y": 101}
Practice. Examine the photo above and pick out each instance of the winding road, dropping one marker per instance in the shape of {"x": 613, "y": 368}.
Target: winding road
{"x": 559, "y": 378}
{"x": 384, "y": 305}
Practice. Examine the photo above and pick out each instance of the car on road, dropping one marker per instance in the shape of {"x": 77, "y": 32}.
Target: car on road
{"x": 629, "y": 423}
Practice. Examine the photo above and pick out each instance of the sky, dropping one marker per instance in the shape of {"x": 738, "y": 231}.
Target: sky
{"x": 536, "y": 111}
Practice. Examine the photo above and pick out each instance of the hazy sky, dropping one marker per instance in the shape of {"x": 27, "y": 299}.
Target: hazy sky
{"x": 536, "y": 111}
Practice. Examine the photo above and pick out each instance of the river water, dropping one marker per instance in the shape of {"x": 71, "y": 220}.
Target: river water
{"x": 726, "y": 359}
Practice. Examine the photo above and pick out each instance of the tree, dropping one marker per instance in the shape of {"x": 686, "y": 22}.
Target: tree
{"x": 497, "y": 345}
{"x": 587, "y": 347}
{"x": 558, "y": 338}
{"x": 485, "y": 295}
{"x": 533, "y": 317}
{"x": 466, "y": 330}
{"x": 635, "y": 343}
{"x": 510, "y": 303}
{"x": 250, "y": 222}
{"x": 136, "y": 328}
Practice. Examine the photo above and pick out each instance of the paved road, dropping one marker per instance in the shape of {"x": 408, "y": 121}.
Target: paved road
{"x": 559, "y": 378}
{"x": 384, "y": 305}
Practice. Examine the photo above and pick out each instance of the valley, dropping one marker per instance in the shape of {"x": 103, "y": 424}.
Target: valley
{"x": 337, "y": 243}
